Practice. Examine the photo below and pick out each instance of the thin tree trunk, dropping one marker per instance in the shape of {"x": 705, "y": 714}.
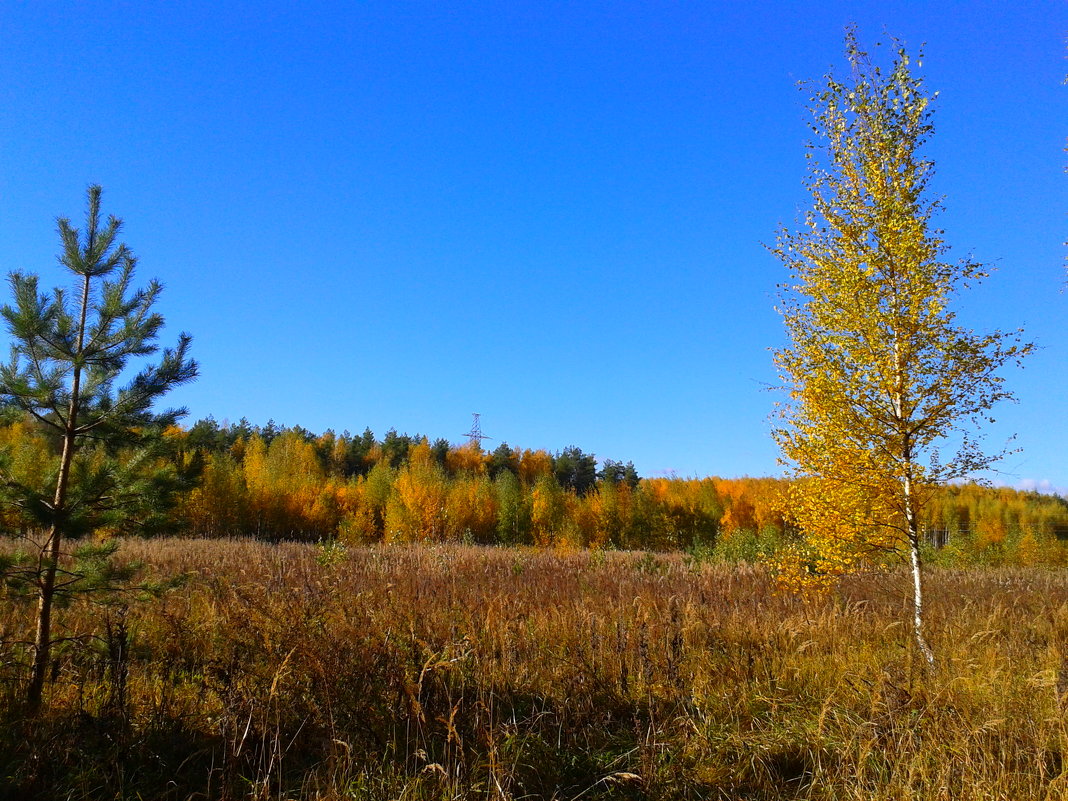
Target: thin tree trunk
{"x": 917, "y": 578}
{"x": 917, "y": 604}
{"x": 903, "y": 414}
{"x": 42, "y": 645}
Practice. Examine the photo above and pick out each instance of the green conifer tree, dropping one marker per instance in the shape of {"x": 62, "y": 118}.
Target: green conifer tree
{"x": 67, "y": 355}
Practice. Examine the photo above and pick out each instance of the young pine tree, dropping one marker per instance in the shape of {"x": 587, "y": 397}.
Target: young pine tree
{"x": 879, "y": 374}
{"x": 68, "y": 352}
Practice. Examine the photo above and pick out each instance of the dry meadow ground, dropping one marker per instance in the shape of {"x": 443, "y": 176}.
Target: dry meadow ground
{"x": 296, "y": 671}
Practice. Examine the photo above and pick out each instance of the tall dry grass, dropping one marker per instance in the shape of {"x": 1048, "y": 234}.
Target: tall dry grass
{"x": 290, "y": 671}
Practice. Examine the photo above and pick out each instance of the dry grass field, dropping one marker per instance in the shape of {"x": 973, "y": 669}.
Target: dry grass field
{"x": 434, "y": 672}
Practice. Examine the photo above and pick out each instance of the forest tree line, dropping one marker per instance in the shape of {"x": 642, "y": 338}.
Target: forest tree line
{"x": 288, "y": 483}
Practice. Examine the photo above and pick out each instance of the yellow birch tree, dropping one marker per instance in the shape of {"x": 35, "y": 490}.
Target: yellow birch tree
{"x": 882, "y": 380}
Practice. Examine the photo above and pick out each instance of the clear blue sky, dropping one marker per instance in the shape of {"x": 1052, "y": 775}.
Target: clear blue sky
{"x": 397, "y": 214}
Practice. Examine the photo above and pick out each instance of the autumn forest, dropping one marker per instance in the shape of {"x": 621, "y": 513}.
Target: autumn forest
{"x": 276, "y": 483}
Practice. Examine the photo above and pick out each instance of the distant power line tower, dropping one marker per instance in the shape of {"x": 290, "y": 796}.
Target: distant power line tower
{"x": 475, "y": 435}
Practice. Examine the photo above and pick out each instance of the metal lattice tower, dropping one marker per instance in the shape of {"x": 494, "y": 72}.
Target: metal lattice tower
{"x": 475, "y": 435}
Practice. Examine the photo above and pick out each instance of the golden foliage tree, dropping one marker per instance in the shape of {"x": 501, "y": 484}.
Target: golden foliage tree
{"x": 416, "y": 509}
{"x": 533, "y": 465}
{"x": 218, "y": 505}
{"x": 471, "y": 509}
{"x": 879, "y": 373}
{"x": 466, "y": 458}
{"x": 548, "y": 509}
